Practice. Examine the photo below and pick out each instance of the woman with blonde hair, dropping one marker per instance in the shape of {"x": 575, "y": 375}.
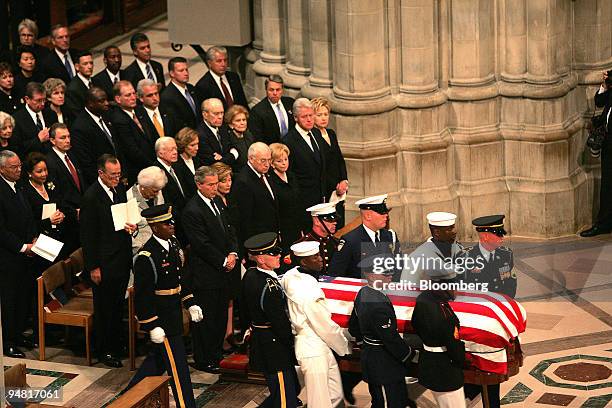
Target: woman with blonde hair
{"x": 55, "y": 90}
{"x": 240, "y": 137}
{"x": 7, "y": 124}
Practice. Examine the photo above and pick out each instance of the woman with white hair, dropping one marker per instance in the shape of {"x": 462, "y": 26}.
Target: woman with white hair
{"x": 7, "y": 124}
{"x": 147, "y": 192}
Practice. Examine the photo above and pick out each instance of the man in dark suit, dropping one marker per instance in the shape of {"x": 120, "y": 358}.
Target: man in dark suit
{"x": 215, "y": 144}
{"x": 92, "y": 134}
{"x": 112, "y": 74}
{"x": 220, "y": 83}
{"x": 271, "y": 118}
{"x": 60, "y": 61}
{"x": 306, "y": 161}
{"x": 214, "y": 253}
{"x": 143, "y": 66}
{"x": 180, "y": 98}
{"x": 66, "y": 174}
{"x": 76, "y": 92}
{"x": 253, "y": 194}
{"x": 108, "y": 256}
{"x": 31, "y": 123}
{"x": 174, "y": 192}
{"x": 17, "y": 236}
{"x": 156, "y": 120}
{"x": 137, "y": 148}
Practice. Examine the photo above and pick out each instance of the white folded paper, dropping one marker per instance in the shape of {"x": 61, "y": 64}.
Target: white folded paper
{"x": 125, "y": 213}
{"x": 48, "y": 210}
{"x": 47, "y": 247}
{"x": 335, "y": 198}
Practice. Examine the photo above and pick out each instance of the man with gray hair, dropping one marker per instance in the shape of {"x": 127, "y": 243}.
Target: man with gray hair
{"x": 254, "y": 195}
{"x": 215, "y": 143}
{"x": 220, "y": 83}
{"x": 272, "y": 117}
{"x": 307, "y": 160}
{"x": 155, "y": 119}
{"x": 17, "y": 236}
{"x": 148, "y": 193}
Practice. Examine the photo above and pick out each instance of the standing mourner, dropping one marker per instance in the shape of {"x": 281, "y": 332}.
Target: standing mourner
{"x": 158, "y": 294}
{"x": 265, "y": 304}
{"x": 316, "y": 333}
{"x": 385, "y": 356}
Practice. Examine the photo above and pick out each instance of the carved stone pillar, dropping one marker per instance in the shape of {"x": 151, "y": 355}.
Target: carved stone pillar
{"x": 297, "y": 69}
{"x": 320, "y": 80}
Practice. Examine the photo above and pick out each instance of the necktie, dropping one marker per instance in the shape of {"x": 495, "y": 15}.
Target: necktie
{"x": 158, "y": 125}
{"x": 73, "y": 172}
{"x": 173, "y": 174}
{"x": 88, "y": 84}
{"x": 262, "y": 177}
{"x": 39, "y": 124}
{"x": 150, "y": 73}
{"x": 315, "y": 147}
{"x": 116, "y": 79}
{"x": 108, "y": 136}
{"x": 190, "y": 101}
{"x": 136, "y": 121}
{"x": 115, "y": 196}
{"x": 68, "y": 66}
{"x": 151, "y": 202}
{"x": 377, "y": 238}
{"x": 281, "y": 120}
{"x": 217, "y": 213}
{"x": 226, "y": 94}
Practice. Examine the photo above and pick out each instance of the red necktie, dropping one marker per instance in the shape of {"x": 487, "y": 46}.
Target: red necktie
{"x": 73, "y": 172}
{"x": 226, "y": 94}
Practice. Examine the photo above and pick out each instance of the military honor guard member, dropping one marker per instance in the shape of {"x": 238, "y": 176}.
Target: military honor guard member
{"x": 271, "y": 342}
{"x": 385, "y": 356}
{"x": 370, "y": 238}
{"x": 316, "y": 333}
{"x": 497, "y": 260}
{"x": 443, "y": 357}
{"x": 158, "y": 295}
{"x": 324, "y": 222}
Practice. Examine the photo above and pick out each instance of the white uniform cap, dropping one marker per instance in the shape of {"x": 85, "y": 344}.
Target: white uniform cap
{"x": 305, "y": 248}
{"x": 322, "y": 209}
{"x": 379, "y": 199}
{"x": 441, "y": 219}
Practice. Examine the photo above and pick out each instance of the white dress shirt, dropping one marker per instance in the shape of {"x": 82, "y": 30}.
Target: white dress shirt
{"x": 283, "y": 112}
{"x": 218, "y": 80}
{"x": 143, "y": 69}
{"x": 62, "y": 58}
{"x": 33, "y": 115}
{"x": 307, "y": 139}
{"x": 106, "y": 189}
{"x": 265, "y": 179}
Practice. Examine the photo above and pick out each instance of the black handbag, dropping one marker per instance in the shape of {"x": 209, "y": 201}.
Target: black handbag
{"x": 596, "y": 135}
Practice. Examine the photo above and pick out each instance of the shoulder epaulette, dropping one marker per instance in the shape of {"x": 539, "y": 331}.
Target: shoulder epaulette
{"x": 144, "y": 253}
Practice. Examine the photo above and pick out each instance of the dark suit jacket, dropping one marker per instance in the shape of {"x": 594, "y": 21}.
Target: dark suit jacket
{"x": 185, "y": 175}
{"x": 310, "y": 172}
{"x": 53, "y": 67}
{"x": 89, "y": 142}
{"x": 10, "y": 103}
{"x": 21, "y": 82}
{"x": 210, "y": 243}
{"x": 209, "y": 145}
{"x": 263, "y": 122}
{"x": 137, "y": 148}
{"x": 208, "y": 88}
{"x": 48, "y": 112}
{"x": 241, "y": 144}
{"x": 17, "y": 227}
{"x": 258, "y": 210}
{"x": 26, "y": 132}
{"x": 104, "y": 247}
{"x": 133, "y": 73}
{"x": 175, "y": 103}
{"x": 169, "y": 124}
{"x": 172, "y": 195}
{"x": 76, "y": 93}
{"x": 102, "y": 80}
{"x": 290, "y": 216}
{"x": 335, "y": 166}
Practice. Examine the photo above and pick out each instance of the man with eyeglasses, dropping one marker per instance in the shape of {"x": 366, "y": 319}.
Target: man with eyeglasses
{"x": 107, "y": 253}
{"x": 32, "y": 123}
{"x": 17, "y": 236}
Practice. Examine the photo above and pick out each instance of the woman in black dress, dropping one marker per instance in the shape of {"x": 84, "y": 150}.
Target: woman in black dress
{"x": 336, "y": 179}
{"x": 26, "y": 71}
{"x": 7, "y": 124}
{"x": 56, "y": 90}
{"x": 187, "y": 144}
{"x": 240, "y": 137}
{"x": 284, "y": 185}
{"x": 9, "y": 102}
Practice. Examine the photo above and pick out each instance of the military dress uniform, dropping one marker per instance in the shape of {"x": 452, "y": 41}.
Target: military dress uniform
{"x": 384, "y": 355}
{"x": 158, "y": 296}
{"x": 327, "y": 247}
{"x": 271, "y": 342}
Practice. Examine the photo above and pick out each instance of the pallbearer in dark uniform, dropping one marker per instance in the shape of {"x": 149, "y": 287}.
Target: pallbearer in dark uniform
{"x": 497, "y": 273}
{"x": 158, "y": 295}
{"x": 370, "y": 238}
{"x": 271, "y": 343}
{"x": 443, "y": 357}
{"x": 385, "y": 356}
{"x": 324, "y": 221}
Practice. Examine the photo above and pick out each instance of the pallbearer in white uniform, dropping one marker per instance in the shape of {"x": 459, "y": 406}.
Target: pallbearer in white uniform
{"x": 316, "y": 333}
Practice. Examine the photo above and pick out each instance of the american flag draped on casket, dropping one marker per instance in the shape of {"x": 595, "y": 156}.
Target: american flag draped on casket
{"x": 489, "y": 321}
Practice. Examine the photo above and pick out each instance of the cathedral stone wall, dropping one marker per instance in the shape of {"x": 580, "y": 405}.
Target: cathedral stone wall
{"x": 469, "y": 106}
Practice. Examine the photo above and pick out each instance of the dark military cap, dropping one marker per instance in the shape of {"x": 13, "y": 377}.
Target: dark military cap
{"x": 263, "y": 244}
{"x": 376, "y": 203}
{"x": 490, "y": 223}
{"x": 158, "y": 213}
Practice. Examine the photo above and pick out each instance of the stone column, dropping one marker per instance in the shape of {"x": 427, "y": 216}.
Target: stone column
{"x": 252, "y": 53}
{"x": 297, "y": 69}
{"x": 320, "y": 80}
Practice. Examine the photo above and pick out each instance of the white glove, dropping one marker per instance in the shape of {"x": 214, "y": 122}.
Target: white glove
{"x": 196, "y": 313}
{"x": 157, "y": 335}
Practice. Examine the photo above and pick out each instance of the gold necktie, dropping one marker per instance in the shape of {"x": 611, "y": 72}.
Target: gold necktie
{"x": 158, "y": 125}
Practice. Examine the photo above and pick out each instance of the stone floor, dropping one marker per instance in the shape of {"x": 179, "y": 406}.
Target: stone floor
{"x": 564, "y": 284}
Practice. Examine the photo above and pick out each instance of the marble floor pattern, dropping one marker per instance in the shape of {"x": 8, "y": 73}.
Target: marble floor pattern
{"x": 564, "y": 284}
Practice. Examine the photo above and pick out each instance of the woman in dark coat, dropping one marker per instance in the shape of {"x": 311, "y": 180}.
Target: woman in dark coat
{"x": 240, "y": 137}
{"x": 26, "y": 71}
{"x": 187, "y": 144}
{"x": 336, "y": 179}
{"x": 7, "y": 124}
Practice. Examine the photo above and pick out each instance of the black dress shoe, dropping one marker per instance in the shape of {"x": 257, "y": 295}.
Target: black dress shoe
{"x": 208, "y": 368}
{"x": 13, "y": 352}
{"x": 111, "y": 361}
{"x": 594, "y": 230}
